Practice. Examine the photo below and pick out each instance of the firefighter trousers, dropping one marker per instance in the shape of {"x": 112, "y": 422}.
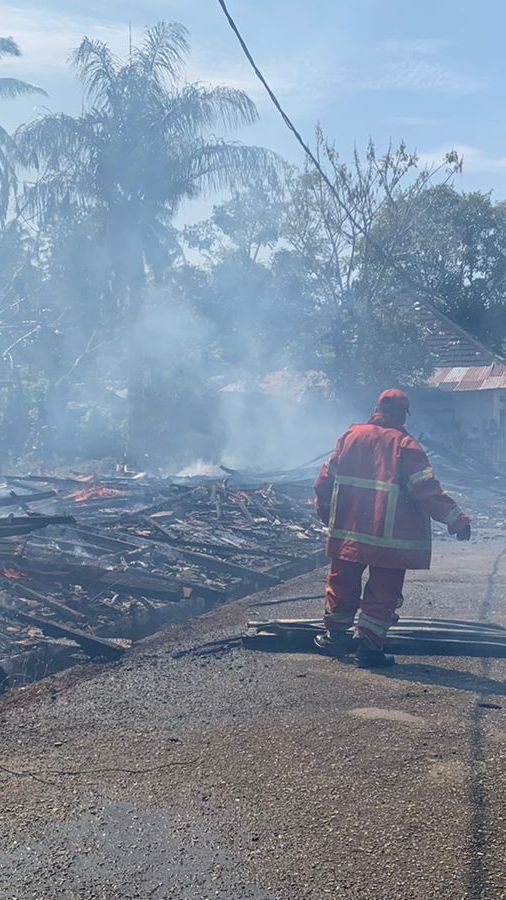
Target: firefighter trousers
{"x": 376, "y": 608}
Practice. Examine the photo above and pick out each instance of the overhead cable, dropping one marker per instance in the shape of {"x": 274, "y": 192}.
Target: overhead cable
{"x": 384, "y": 254}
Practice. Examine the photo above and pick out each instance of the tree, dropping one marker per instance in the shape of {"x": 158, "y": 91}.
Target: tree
{"x": 237, "y": 245}
{"x": 456, "y": 248}
{"x": 250, "y": 223}
{"x": 10, "y": 87}
{"x": 363, "y": 333}
{"x": 145, "y": 144}
{"x": 313, "y": 272}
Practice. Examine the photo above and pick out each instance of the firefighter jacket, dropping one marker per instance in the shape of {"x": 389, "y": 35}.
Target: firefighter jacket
{"x": 377, "y": 494}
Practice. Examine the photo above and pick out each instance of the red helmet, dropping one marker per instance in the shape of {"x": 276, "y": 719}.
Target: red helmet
{"x": 392, "y": 399}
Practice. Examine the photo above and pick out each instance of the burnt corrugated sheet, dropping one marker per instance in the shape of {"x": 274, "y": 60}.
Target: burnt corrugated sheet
{"x": 470, "y": 378}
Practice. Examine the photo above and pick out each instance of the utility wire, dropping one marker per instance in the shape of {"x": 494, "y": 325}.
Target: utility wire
{"x": 286, "y": 119}
{"x": 386, "y": 256}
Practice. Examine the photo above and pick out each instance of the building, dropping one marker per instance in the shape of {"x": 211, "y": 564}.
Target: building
{"x": 464, "y": 403}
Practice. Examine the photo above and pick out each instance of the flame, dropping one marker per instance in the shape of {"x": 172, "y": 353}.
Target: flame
{"x": 92, "y": 493}
{"x": 12, "y": 574}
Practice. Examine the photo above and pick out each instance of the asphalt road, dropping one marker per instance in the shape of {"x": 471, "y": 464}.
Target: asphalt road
{"x": 258, "y": 776}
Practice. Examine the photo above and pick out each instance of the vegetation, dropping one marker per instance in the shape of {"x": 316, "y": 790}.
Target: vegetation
{"x": 10, "y": 87}
{"x": 117, "y": 327}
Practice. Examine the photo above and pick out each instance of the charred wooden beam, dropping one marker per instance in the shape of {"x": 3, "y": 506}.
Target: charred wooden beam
{"x": 105, "y": 540}
{"x": 13, "y": 525}
{"x": 23, "y": 591}
{"x": 217, "y": 565}
{"x": 128, "y": 580}
{"x": 92, "y": 646}
{"x": 41, "y": 479}
{"x": 22, "y": 499}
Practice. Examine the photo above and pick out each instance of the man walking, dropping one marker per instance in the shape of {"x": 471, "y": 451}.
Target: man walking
{"x": 377, "y": 494}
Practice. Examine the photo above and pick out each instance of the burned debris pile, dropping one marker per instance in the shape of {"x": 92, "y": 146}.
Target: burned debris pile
{"x": 89, "y": 564}
{"x": 477, "y": 488}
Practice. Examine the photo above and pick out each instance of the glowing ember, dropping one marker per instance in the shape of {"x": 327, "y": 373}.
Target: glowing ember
{"x": 93, "y": 493}
{"x": 12, "y": 574}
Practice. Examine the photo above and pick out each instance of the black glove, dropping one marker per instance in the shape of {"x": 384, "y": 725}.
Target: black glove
{"x": 465, "y": 534}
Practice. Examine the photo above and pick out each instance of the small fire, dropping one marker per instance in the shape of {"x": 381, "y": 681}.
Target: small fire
{"x": 92, "y": 493}
{"x": 12, "y": 574}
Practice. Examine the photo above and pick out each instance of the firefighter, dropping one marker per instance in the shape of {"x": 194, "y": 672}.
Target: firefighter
{"x": 377, "y": 494}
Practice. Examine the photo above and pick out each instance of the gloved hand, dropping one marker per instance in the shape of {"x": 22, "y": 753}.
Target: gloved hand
{"x": 465, "y": 534}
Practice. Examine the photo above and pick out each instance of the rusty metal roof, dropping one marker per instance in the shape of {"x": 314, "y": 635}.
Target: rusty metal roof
{"x": 461, "y": 362}
{"x": 470, "y": 378}
{"x": 449, "y": 344}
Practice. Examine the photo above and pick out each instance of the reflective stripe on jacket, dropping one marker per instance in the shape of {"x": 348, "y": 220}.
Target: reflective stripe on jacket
{"x": 377, "y": 494}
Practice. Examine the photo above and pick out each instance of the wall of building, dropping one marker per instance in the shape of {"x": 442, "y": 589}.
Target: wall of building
{"x": 469, "y": 422}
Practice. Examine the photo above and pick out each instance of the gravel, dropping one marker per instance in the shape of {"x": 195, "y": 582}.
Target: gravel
{"x": 264, "y": 776}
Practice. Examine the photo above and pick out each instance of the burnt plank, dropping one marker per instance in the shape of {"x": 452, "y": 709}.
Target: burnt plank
{"x": 13, "y": 525}
{"x": 129, "y": 581}
{"x": 22, "y": 499}
{"x": 24, "y": 591}
{"x": 101, "y": 539}
{"x": 92, "y": 646}
{"x": 218, "y": 565}
{"x": 44, "y": 479}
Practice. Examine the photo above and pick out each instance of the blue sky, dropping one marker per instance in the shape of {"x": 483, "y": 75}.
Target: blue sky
{"x": 433, "y": 73}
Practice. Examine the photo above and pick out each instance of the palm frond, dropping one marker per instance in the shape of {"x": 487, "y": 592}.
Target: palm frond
{"x": 6, "y": 141}
{"x": 7, "y": 171}
{"x": 97, "y": 67}
{"x": 212, "y": 167}
{"x": 6, "y": 182}
{"x": 13, "y": 87}
{"x": 53, "y": 140}
{"x": 163, "y": 51}
{"x": 8, "y": 47}
{"x": 197, "y": 106}
{"x": 58, "y": 191}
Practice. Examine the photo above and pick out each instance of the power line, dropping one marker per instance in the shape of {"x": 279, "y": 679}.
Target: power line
{"x": 385, "y": 255}
{"x": 288, "y": 122}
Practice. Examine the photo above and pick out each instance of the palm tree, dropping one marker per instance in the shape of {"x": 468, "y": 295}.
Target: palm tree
{"x": 143, "y": 146}
{"x": 10, "y": 87}
{"x": 145, "y": 143}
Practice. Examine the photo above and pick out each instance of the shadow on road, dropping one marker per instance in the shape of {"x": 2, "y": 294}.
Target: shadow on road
{"x": 425, "y": 673}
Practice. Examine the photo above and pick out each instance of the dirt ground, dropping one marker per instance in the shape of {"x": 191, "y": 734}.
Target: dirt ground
{"x": 249, "y": 775}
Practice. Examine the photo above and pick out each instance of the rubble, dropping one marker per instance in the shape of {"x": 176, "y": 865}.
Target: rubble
{"x": 477, "y": 489}
{"x": 97, "y": 562}
{"x": 116, "y": 558}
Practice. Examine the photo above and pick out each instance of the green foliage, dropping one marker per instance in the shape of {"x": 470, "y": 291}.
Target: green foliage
{"x": 455, "y": 248}
{"x": 293, "y": 265}
{"x": 146, "y": 144}
{"x": 117, "y": 328}
{"x": 111, "y": 181}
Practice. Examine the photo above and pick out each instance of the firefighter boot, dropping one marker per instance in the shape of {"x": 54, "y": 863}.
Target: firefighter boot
{"x": 333, "y": 643}
{"x": 371, "y": 657}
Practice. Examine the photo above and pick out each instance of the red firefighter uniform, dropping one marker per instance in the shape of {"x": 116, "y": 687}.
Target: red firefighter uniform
{"x": 377, "y": 494}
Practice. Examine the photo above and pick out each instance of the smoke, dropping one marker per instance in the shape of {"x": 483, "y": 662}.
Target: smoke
{"x": 197, "y": 411}
{"x": 265, "y": 431}
{"x": 183, "y": 397}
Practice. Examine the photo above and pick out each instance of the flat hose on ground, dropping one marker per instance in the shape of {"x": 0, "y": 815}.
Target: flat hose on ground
{"x": 410, "y": 637}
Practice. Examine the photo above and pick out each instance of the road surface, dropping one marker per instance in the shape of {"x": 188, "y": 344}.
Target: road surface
{"x": 245, "y": 775}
